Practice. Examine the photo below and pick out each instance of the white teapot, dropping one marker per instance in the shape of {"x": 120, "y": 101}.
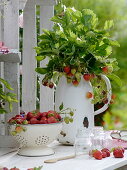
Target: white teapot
{"x": 75, "y": 98}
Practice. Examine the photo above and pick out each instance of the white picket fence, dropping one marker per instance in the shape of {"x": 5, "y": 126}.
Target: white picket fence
{"x": 9, "y": 64}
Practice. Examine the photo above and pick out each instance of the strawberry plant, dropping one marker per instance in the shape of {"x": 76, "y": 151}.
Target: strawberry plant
{"x": 6, "y": 97}
{"x": 76, "y": 47}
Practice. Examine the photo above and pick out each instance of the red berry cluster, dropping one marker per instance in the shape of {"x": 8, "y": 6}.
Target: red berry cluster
{"x": 48, "y": 84}
{"x": 117, "y": 152}
{"x": 36, "y": 118}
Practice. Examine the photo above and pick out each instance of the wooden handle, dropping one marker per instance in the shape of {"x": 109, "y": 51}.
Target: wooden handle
{"x": 66, "y": 157}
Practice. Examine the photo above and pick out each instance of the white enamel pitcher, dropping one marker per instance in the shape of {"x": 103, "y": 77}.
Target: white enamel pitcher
{"x": 75, "y": 98}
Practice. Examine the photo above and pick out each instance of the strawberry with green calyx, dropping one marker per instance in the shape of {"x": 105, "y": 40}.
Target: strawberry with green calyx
{"x": 118, "y": 153}
{"x": 91, "y": 152}
{"x": 45, "y": 82}
{"x": 107, "y": 69}
{"x": 14, "y": 168}
{"x": 70, "y": 75}
{"x": 67, "y": 69}
{"x": 87, "y": 77}
{"x": 75, "y": 82}
{"x": 97, "y": 155}
{"x": 52, "y": 120}
{"x": 34, "y": 120}
{"x": 43, "y": 120}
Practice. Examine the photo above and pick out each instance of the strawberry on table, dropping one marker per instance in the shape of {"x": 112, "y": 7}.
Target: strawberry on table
{"x": 104, "y": 154}
{"x": 106, "y": 150}
{"x": 97, "y": 155}
{"x": 118, "y": 153}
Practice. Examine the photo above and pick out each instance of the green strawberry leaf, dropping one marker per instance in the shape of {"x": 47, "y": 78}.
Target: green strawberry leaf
{"x": 40, "y": 58}
{"x": 41, "y": 70}
{"x": 108, "y": 24}
{"x": 115, "y": 78}
{"x": 61, "y": 106}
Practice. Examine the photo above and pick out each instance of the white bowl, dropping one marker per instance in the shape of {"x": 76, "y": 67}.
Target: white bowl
{"x": 34, "y": 141}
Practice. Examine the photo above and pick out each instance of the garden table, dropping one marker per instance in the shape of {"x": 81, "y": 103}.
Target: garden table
{"x": 82, "y": 162}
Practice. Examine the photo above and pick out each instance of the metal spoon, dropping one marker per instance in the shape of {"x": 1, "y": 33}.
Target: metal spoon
{"x": 59, "y": 159}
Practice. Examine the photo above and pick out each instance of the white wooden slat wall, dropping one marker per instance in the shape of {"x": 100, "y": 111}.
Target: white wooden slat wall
{"x": 46, "y": 94}
{"x": 11, "y": 39}
{"x": 29, "y": 62}
{"x": 10, "y": 36}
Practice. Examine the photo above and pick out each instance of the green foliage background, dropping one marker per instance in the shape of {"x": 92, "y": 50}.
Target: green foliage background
{"x": 116, "y": 115}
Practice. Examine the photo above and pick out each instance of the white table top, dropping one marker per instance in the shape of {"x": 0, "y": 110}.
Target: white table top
{"x": 82, "y": 162}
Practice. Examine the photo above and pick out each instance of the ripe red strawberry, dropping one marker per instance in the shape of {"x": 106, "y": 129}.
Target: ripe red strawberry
{"x": 33, "y": 114}
{"x": 118, "y": 153}
{"x": 44, "y": 114}
{"x": 14, "y": 168}
{"x": 105, "y": 69}
{"x": 67, "y": 69}
{"x": 52, "y": 120}
{"x": 119, "y": 147}
{"x": 45, "y": 83}
{"x": 4, "y": 168}
{"x": 70, "y": 75}
{"x": 89, "y": 95}
{"x": 43, "y": 120}
{"x": 97, "y": 155}
{"x": 18, "y": 116}
{"x": 87, "y": 77}
{"x": 38, "y": 115}
{"x": 51, "y": 85}
{"x": 19, "y": 120}
{"x": 29, "y": 115}
{"x": 106, "y": 150}
{"x": 34, "y": 121}
{"x": 104, "y": 154}
{"x": 58, "y": 117}
{"x": 51, "y": 113}
{"x": 75, "y": 82}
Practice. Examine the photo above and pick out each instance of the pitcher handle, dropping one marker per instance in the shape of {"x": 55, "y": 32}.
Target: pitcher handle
{"x": 107, "y": 81}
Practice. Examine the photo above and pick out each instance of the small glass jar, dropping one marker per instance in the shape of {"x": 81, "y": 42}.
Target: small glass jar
{"x": 108, "y": 142}
{"x": 98, "y": 138}
{"x": 83, "y": 141}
